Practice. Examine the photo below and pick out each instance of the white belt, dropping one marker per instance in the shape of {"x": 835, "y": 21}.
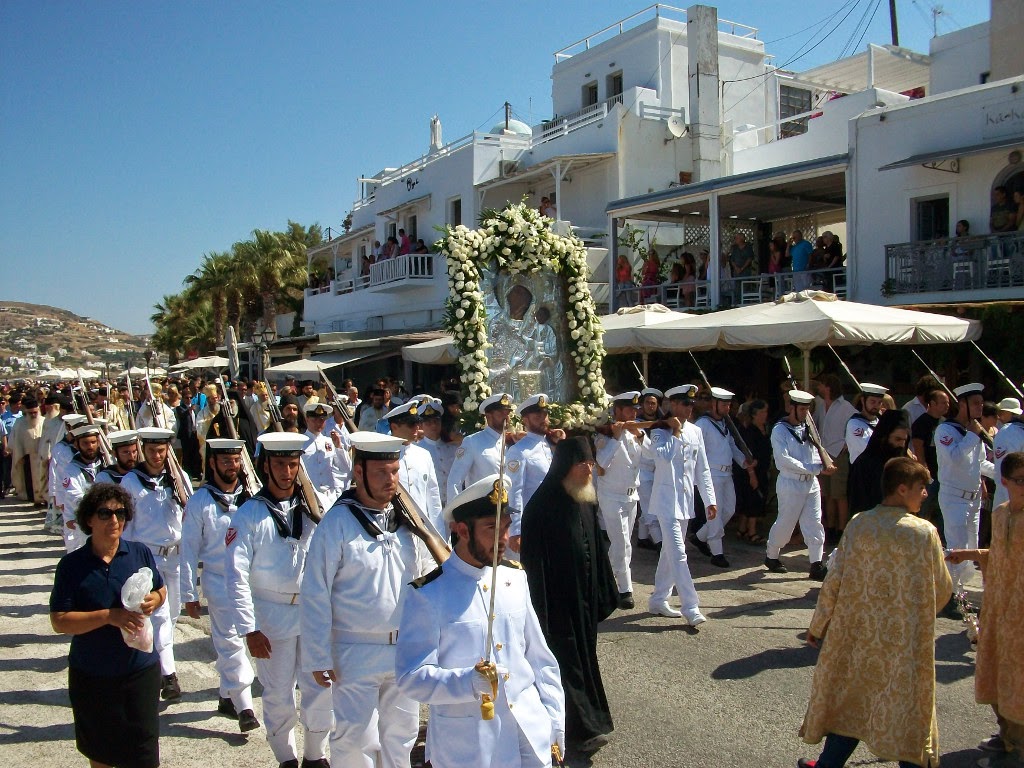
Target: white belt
{"x": 165, "y": 551}
{"x": 282, "y": 598}
{"x": 960, "y": 493}
{"x": 366, "y": 638}
{"x": 727, "y": 468}
{"x": 801, "y": 478}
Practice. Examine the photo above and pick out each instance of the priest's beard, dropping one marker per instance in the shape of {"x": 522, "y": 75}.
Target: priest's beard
{"x": 582, "y": 493}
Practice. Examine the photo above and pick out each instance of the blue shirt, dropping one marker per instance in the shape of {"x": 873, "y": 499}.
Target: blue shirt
{"x": 8, "y": 419}
{"x": 83, "y": 582}
{"x": 801, "y": 255}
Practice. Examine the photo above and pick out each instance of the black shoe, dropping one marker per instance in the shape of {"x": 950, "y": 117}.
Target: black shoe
{"x": 818, "y": 571}
{"x": 169, "y": 688}
{"x": 626, "y": 601}
{"x": 719, "y": 561}
{"x": 775, "y": 565}
{"x": 227, "y": 707}
{"x": 293, "y": 763}
{"x": 594, "y": 743}
{"x": 323, "y": 762}
{"x": 247, "y": 721}
{"x": 646, "y": 544}
{"x": 701, "y": 546}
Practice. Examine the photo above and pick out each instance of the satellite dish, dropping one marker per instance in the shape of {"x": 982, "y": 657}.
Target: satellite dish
{"x": 677, "y": 127}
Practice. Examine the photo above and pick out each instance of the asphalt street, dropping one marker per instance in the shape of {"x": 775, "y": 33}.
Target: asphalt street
{"x": 732, "y": 693}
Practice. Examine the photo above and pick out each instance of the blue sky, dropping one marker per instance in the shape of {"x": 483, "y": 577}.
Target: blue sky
{"x": 134, "y": 137}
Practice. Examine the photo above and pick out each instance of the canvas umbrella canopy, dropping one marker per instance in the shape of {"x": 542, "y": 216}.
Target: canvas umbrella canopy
{"x": 200, "y": 363}
{"x": 51, "y": 375}
{"x": 440, "y": 351}
{"x": 299, "y": 367}
{"x": 806, "y": 320}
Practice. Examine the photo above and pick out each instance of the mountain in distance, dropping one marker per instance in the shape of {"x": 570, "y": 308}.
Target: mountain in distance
{"x": 37, "y": 337}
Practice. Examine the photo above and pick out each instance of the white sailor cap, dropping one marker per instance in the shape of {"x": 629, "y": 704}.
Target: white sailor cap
{"x": 122, "y": 437}
{"x": 155, "y": 435}
{"x": 629, "y": 399}
{"x": 101, "y": 422}
{"x": 372, "y": 445}
{"x": 1010, "y": 405}
{"x": 72, "y": 420}
{"x": 718, "y": 393}
{"x": 495, "y": 401}
{"x": 410, "y": 411}
{"x": 224, "y": 445}
{"x": 873, "y": 389}
{"x": 652, "y": 391}
{"x": 479, "y": 500}
{"x": 314, "y": 407}
{"x": 799, "y": 397}
{"x": 968, "y": 389}
{"x": 534, "y": 404}
{"x": 282, "y": 443}
{"x": 432, "y": 408}
{"x": 85, "y": 429}
{"x": 682, "y": 392}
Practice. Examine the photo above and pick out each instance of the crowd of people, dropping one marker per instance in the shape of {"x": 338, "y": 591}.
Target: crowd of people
{"x": 369, "y": 519}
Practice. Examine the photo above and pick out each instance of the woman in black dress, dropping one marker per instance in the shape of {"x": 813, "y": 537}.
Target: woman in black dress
{"x": 750, "y": 501}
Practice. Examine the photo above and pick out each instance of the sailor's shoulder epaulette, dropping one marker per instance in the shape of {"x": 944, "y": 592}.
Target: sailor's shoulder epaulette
{"x": 512, "y": 564}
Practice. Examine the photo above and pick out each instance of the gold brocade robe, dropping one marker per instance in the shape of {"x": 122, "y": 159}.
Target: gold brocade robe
{"x": 875, "y": 677}
{"x": 999, "y": 679}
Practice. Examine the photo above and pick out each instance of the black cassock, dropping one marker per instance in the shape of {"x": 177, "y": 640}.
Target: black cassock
{"x": 565, "y": 556}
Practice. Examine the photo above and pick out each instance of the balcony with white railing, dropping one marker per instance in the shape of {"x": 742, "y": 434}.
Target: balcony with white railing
{"x": 409, "y": 270}
{"x": 975, "y": 264}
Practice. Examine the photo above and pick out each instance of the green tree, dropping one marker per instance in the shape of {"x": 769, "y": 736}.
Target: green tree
{"x": 215, "y": 278}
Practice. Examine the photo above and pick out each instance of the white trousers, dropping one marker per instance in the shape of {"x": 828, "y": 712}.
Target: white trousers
{"x": 165, "y": 618}
{"x": 799, "y": 502}
{"x": 713, "y": 531}
{"x": 672, "y": 566}
{"x": 74, "y": 538}
{"x": 375, "y": 725}
{"x": 279, "y": 675}
{"x": 960, "y": 519}
{"x": 648, "y": 527}
{"x": 236, "y": 673}
{"x": 619, "y": 515}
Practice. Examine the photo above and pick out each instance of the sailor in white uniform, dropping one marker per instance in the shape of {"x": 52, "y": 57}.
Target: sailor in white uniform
{"x": 648, "y": 535}
{"x": 432, "y": 443}
{"x": 618, "y": 481}
{"x": 326, "y": 455}
{"x": 722, "y": 451}
{"x": 861, "y": 425}
{"x": 444, "y": 628}
{"x": 61, "y": 453}
{"x": 265, "y": 557}
{"x": 79, "y": 475}
{"x": 962, "y": 463}
{"x": 157, "y": 524}
{"x": 207, "y": 517}
{"x": 1009, "y": 439}
{"x": 680, "y": 463}
{"x": 361, "y": 560}
{"x": 124, "y": 444}
{"x": 480, "y": 452}
{"x": 416, "y": 472}
{"x": 799, "y": 496}
{"x": 527, "y": 462}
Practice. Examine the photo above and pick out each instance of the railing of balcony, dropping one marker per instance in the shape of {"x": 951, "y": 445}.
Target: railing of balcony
{"x": 955, "y": 264}
{"x": 408, "y": 266}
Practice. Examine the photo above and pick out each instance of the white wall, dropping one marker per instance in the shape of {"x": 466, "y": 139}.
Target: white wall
{"x": 881, "y": 209}
{"x": 959, "y": 59}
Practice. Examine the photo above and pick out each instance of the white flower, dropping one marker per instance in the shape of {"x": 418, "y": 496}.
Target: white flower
{"x": 460, "y": 313}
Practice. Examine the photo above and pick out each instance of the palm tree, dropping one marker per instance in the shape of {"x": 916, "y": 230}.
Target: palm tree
{"x": 215, "y": 278}
{"x": 273, "y": 264}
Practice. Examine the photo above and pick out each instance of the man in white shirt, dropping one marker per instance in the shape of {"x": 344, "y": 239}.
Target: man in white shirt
{"x": 831, "y": 415}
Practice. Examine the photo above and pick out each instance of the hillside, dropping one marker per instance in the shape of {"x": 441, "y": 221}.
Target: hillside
{"x": 35, "y": 337}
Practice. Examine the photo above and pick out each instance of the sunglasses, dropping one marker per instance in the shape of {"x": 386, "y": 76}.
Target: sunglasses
{"x": 106, "y": 514}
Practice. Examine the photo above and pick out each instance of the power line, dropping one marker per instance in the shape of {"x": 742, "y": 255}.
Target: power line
{"x": 820, "y": 23}
{"x": 867, "y": 26}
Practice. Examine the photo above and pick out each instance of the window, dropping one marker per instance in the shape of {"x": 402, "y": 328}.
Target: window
{"x": 590, "y": 94}
{"x": 932, "y": 218}
{"x": 614, "y": 84}
{"x": 793, "y": 101}
{"x": 392, "y": 229}
{"x": 410, "y": 227}
{"x": 455, "y": 211}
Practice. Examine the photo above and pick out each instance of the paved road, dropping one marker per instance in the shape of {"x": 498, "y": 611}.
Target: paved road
{"x": 731, "y": 694}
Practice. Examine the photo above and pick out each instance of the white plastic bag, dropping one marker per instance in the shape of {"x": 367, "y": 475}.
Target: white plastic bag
{"x": 134, "y": 591}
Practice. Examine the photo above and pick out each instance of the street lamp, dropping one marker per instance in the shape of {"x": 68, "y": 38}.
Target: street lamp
{"x": 264, "y": 339}
{"x": 149, "y": 359}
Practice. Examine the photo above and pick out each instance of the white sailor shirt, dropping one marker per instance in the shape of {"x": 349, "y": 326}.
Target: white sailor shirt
{"x": 157, "y": 520}
{"x": 794, "y": 453}
{"x": 961, "y": 457}
{"x": 1009, "y": 439}
{"x": 858, "y": 432}
{"x": 416, "y": 473}
{"x": 329, "y": 468}
{"x": 680, "y": 464}
{"x": 620, "y": 460}
{"x": 720, "y": 446}
{"x": 204, "y": 527}
{"x": 526, "y": 463}
{"x": 475, "y": 459}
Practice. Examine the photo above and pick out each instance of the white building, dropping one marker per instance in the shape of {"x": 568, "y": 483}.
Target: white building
{"x": 715, "y": 142}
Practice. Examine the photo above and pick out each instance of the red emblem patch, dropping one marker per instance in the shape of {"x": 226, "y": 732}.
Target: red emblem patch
{"x": 946, "y": 440}
{"x": 66, "y": 483}
{"x": 230, "y": 536}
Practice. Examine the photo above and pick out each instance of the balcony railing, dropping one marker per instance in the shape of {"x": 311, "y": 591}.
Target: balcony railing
{"x": 955, "y": 264}
{"x": 410, "y": 266}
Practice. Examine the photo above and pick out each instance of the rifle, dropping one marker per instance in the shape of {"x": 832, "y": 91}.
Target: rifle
{"x": 342, "y": 415}
{"x": 108, "y": 456}
{"x": 812, "y": 428}
{"x": 252, "y": 482}
{"x": 129, "y": 406}
{"x": 643, "y": 381}
{"x": 985, "y": 438}
{"x": 182, "y": 485}
{"x": 1006, "y": 379}
{"x": 845, "y": 367}
{"x": 733, "y": 430}
{"x": 314, "y": 505}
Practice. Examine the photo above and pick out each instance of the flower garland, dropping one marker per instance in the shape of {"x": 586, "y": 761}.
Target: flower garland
{"x": 519, "y": 240}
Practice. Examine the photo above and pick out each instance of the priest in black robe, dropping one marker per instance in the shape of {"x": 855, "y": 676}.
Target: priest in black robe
{"x": 565, "y": 555}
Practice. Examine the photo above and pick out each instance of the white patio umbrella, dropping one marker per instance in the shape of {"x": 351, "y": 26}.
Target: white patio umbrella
{"x": 620, "y": 329}
{"x": 300, "y": 367}
{"x": 136, "y": 371}
{"x": 200, "y": 363}
{"x": 53, "y": 374}
{"x": 88, "y": 374}
{"x": 441, "y": 351}
{"x": 807, "y": 320}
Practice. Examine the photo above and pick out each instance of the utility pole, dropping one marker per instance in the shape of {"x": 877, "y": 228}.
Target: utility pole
{"x": 892, "y": 23}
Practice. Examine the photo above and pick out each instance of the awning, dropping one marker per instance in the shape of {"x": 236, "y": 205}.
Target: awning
{"x": 948, "y": 154}
{"x": 329, "y": 248}
{"x": 440, "y": 351}
{"x": 407, "y": 204}
{"x": 894, "y": 69}
{"x": 560, "y": 164}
